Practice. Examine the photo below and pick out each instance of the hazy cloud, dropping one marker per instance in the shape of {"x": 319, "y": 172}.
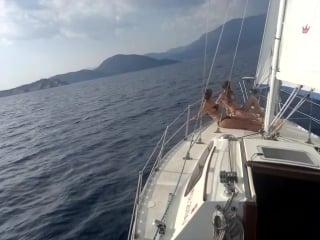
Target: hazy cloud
{"x": 214, "y": 12}
{"x": 46, "y": 19}
{"x": 5, "y": 42}
{"x": 166, "y": 4}
{"x": 31, "y": 19}
{"x": 28, "y": 4}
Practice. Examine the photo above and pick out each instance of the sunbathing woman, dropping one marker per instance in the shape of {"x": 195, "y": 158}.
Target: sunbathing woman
{"x": 212, "y": 109}
{"x": 227, "y": 98}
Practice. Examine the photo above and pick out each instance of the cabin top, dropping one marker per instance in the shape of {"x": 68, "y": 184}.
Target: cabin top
{"x": 294, "y": 154}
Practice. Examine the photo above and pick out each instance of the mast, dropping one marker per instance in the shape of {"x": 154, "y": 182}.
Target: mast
{"x": 274, "y": 84}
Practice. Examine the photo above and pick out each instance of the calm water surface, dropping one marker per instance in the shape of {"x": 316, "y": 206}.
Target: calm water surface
{"x": 70, "y": 155}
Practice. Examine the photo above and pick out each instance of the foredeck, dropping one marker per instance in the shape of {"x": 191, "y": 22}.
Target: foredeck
{"x": 173, "y": 173}
{"x": 162, "y": 193}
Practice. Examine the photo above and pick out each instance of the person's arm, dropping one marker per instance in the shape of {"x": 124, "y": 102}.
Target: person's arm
{"x": 201, "y": 113}
{"x": 219, "y": 99}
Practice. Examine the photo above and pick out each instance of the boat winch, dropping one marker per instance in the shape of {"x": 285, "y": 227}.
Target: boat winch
{"x": 228, "y": 178}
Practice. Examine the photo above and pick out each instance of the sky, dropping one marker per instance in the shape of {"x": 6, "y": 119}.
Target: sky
{"x": 42, "y": 38}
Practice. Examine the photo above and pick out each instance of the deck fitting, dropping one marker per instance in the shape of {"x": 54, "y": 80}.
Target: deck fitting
{"x": 187, "y": 157}
{"x": 218, "y": 130}
{"x": 161, "y": 226}
{"x": 200, "y": 141}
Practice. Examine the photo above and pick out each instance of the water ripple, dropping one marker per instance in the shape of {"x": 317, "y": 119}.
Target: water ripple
{"x": 70, "y": 155}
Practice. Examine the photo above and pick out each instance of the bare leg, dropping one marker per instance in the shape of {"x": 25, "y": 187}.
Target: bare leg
{"x": 277, "y": 124}
{"x": 240, "y": 123}
{"x": 246, "y": 115}
{"x": 253, "y": 102}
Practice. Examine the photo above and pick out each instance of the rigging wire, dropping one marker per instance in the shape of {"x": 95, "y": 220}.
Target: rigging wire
{"x": 205, "y": 47}
{"x": 308, "y": 116}
{"x": 238, "y": 40}
{"x": 298, "y": 105}
{"x": 205, "y": 86}
{"x": 201, "y": 105}
{"x": 290, "y": 99}
{"x": 217, "y": 49}
{"x": 206, "y": 81}
{"x": 204, "y": 62}
{"x": 218, "y": 45}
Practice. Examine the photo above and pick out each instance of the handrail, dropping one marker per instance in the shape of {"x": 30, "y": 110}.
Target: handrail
{"x": 307, "y": 116}
{"x": 285, "y": 91}
{"x": 175, "y": 133}
{"x": 160, "y": 154}
{"x": 135, "y": 208}
{"x": 153, "y": 152}
{"x": 163, "y": 141}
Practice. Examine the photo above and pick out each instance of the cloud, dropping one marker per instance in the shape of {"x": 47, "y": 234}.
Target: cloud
{"x": 68, "y": 11}
{"x": 28, "y": 4}
{"x": 34, "y": 19}
{"x": 101, "y": 19}
{"x": 192, "y": 21}
{"x": 166, "y": 4}
{"x": 17, "y": 23}
{"x": 214, "y": 11}
{"x": 5, "y": 42}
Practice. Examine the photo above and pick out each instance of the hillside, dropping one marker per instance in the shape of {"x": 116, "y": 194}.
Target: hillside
{"x": 248, "y": 49}
{"x": 117, "y": 64}
{"x": 35, "y": 86}
{"x": 251, "y": 36}
{"x": 129, "y": 63}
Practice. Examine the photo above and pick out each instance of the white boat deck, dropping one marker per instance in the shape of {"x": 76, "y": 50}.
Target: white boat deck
{"x": 174, "y": 173}
{"x": 156, "y": 193}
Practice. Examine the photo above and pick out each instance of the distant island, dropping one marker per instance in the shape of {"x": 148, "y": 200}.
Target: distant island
{"x": 35, "y": 86}
{"x": 114, "y": 65}
{"x": 119, "y": 64}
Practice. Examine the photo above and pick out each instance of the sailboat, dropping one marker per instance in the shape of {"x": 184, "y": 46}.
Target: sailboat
{"x": 222, "y": 183}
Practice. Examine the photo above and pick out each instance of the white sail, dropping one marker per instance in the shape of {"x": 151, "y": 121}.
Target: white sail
{"x": 266, "y": 52}
{"x": 299, "y": 54}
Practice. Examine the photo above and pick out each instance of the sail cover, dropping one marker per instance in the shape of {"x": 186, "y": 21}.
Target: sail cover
{"x": 299, "y": 56}
{"x": 266, "y": 51}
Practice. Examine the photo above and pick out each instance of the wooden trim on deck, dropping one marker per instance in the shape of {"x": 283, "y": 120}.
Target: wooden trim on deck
{"x": 249, "y": 190}
{"x": 288, "y": 171}
{"x": 250, "y": 220}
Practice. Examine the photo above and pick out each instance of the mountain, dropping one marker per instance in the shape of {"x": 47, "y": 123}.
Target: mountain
{"x": 248, "y": 50}
{"x": 114, "y": 65}
{"x": 251, "y": 36}
{"x": 117, "y": 64}
{"x": 78, "y": 76}
{"x": 130, "y": 63}
{"x": 35, "y": 86}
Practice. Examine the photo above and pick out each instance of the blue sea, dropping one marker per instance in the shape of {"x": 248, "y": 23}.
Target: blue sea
{"x": 70, "y": 155}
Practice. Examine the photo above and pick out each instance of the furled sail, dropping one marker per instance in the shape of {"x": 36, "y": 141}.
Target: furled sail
{"x": 266, "y": 52}
{"x": 299, "y": 54}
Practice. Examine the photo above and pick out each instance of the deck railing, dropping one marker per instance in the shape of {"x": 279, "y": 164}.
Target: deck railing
{"x": 298, "y": 116}
{"x": 157, "y": 154}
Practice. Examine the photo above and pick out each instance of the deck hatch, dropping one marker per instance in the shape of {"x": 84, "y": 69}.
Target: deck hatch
{"x": 286, "y": 154}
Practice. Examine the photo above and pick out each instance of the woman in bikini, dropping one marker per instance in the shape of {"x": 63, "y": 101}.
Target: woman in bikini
{"x": 227, "y": 98}
{"x": 214, "y": 111}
